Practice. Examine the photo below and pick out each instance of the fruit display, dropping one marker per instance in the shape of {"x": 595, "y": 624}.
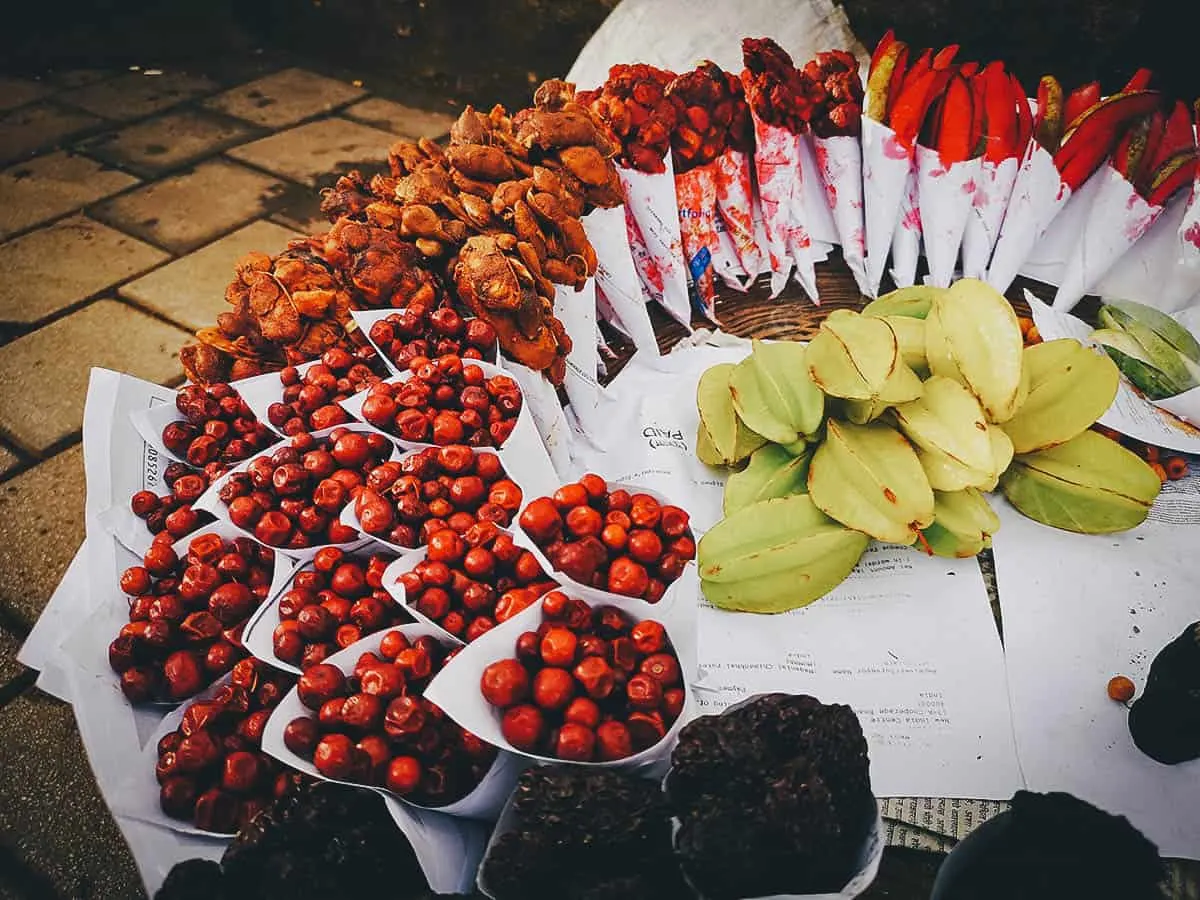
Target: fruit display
{"x": 589, "y": 685}
{"x": 311, "y": 400}
{"x": 404, "y": 502}
{"x": 1159, "y": 356}
{"x": 331, "y": 603}
{"x": 1165, "y": 720}
{"x": 611, "y": 539}
{"x": 467, "y": 584}
{"x": 604, "y": 833}
{"x": 218, "y": 429}
{"x": 370, "y": 725}
{"x": 173, "y": 513}
{"x": 421, "y": 331}
{"x": 211, "y": 770}
{"x": 186, "y": 615}
{"x": 290, "y": 497}
{"x": 773, "y": 798}
{"x": 445, "y": 401}
{"x": 909, "y": 411}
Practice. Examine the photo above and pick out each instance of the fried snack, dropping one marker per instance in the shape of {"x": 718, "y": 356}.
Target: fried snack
{"x": 778, "y": 92}
{"x": 839, "y": 90}
{"x": 707, "y": 104}
{"x": 634, "y": 104}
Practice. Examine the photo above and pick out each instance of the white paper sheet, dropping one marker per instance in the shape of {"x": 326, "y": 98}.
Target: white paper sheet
{"x": 1077, "y": 610}
{"x": 617, "y": 279}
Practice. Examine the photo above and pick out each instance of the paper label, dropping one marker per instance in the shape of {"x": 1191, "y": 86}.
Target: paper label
{"x": 1038, "y": 195}
{"x": 906, "y": 239}
{"x": 947, "y": 194}
{"x": 656, "y": 243}
{"x": 885, "y": 163}
{"x": 616, "y": 277}
{"x": 839, "y": 166}
{"x": 992, "y": 192}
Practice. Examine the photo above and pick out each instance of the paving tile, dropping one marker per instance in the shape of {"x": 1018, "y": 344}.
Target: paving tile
{"x": 52, "y": 185}
{"x": 301, "y": 211}
{"x": 41, "y": 526}
{"x": 189, "y": 210}
{"x": 85, "y": 258}
{"x": 397, "y": 118}
{"x": 134, "y": 94}
{"x": 312, "y": 154}
{"x": 16, "y": 92}
{"x": 9, "y": 667}
{"x": 191, "y": 290}
{"x": 45, "y": 373}
{"x": 8, "y": 460}
{"x": 51, "y": 811}
{"x": 169, "y": 141}
{"x": 285, "y": 98}
{"x": 39, "y": 125}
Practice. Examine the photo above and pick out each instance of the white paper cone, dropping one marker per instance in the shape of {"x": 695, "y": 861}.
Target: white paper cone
{"x": 818, "y": 216}
{"x": 524, "y": 454}
{"x": 696, "y": 194}
{"x": 885, "y": 165}
{"x": 577, "y": 311}
{"x": 456, "y": 688}
{"x": 484, "y": 802}
{"x": 1038, "y": 195}
{"x": 839, "y": 166}
{"x": 149, "y": 423}
{"x": 735, "y": 202}
{"x": 906, "y": 239}
{"x": 1161, "y": 270}
{"x": 726, "y": 262}
{"x": 946, "y": 194}
{"x": 992, "y": 193}
{"x": 657, "y": 247}
{"x": 1117, "y": 219}
{"x": 777, "y": 164}
{"x": 550, "y": 423}
{"x": 617, "y": 278}
{"x": 364, "y": 319}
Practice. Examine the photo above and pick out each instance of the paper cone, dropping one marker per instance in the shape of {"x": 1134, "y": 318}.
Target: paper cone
{"x": 616, "y": 277}
{"x": 818, "y": 215}
{"x": 1038, "y": 195}
{"x": 735, "y": 203}
{"x": 906, "y": 239}
{"x": 484, "y": 802}
{"x": 456, "y": 688}
{"x": 1162, "y": 269}
{"x": 365, "y": 318}
{"x": 656, "y": 244}
{"x": 947, "y": 195}
{"x": 1117, "y": 219}
{"x": 839, "y": 167}
{"x": 577, "y": 311}
{"x": 885, "y": 164}
{"x": 777, "y": 165}
{"x": 726, "y": 262}
{"x": 696, "y": 192}
{"x": 993, "y": 189}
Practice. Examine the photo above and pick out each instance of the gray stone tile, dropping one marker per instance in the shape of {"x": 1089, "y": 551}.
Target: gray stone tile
{"x": 73, "y": 259}
{"x": 16, "y": 92}
{"x": 50, "y": 807}
{"x": 186, "y": 211}
{"x": 191, "y": 290}
{"x": 405, "y": 121}
{"x": 45, "y": 188}
{"x": 41, "y": 525}
{"x": 169, "y": 141}
{"x": 134, "y": 94}
{"x": 37, "y": 126}
{"x": 313, "y": 154}
{"x": 285, "y": 98}
{"x": 45, "y": 373}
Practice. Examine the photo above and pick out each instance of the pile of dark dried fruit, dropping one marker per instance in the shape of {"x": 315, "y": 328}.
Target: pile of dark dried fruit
{"x": 772, "y": 798}
{"x": 584, "y": 834}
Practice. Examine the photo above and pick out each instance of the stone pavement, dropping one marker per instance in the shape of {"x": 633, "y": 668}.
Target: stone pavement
{"x": 125, "y": 198}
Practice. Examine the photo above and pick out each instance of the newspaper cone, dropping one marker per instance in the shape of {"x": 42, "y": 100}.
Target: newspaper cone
{"x": 885, "y": 164}
{"x": 906, "y": 239}
{"x": 777, "y": 164}
{"x": 577, "y": 311}
{"x": 1162, "y": 269}
{"x": 651, "y": 204}
{"x": 1038, "y": 195}
{"x": 839, "y": 166}
{"x": 696, "y": 194}
{"x": 993, "y": 189}
{"x": 946, "y": 193}
{"x": 617, "y": 278}
{"x": 735, "y": 203}
{"x": 1117, "y": 219}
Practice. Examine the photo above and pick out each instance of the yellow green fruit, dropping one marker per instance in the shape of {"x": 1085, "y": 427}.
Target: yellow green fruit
{"x": 772, "y": 394}
{"x": 912, "y": 302}
{"x": 858, "y": 358}
{"x": 963, "y": 524}
{"x": 772, "y": 472}
{"x": 722, "y": 438}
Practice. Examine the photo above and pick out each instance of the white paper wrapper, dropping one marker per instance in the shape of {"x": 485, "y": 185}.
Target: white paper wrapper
{"x": 947, "y": 195}
{"x": 577, "y": 311}
{"x": 549, "y": 421}
{"x": 840, "y": 168}
{"x": 523, "y": 455}
{"x": 456, "y": 688}
{"x": 616, "y": 277}
{"x": 780, "y": 192}
{"x": 1117, "y": 219}
{"x": 726, "y": 262}
{"x": 391, "y": 584}
{"x": 484, "y": 802}
{"x": 818, "y": 215}
{"x": 735, "y": 203}
{"x": 364, "y": 319}
{"x": 261, "y": 391}
{"x": 885, "y": 165}
{"x": 906, "y": 239}
{"x": 149, "y": 422}
{"x": 1162, "y": 269}
{"x": 696, "y": 194}
{"x": 1038, "y": 195}
{"x": 211, "y": 501}
{"x": 992, "y": 192}
{"x": 656, "y": 243}
{"x": 1154, "y": 422}
{"x": 260, "y": 627}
